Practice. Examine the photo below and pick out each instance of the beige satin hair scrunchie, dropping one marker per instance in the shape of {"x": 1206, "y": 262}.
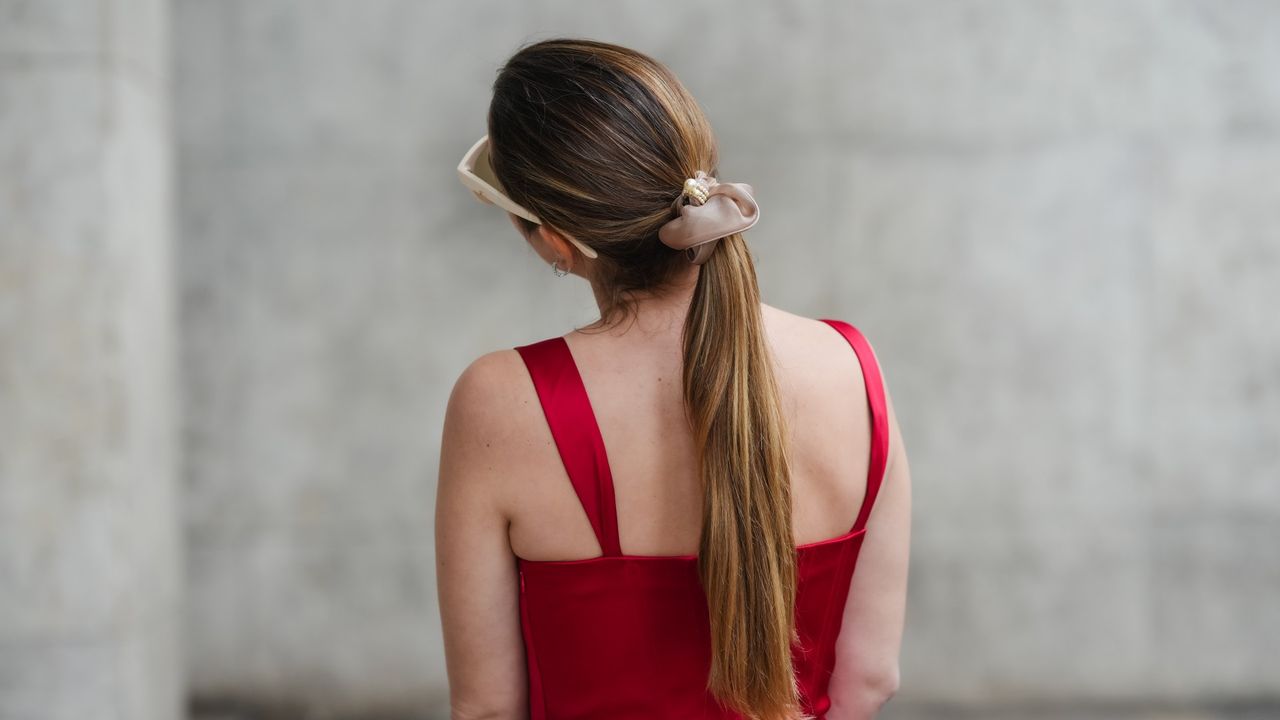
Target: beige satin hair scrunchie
{"x": 714, "y": 210}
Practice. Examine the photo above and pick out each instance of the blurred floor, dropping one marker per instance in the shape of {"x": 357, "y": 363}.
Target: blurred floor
{"x": 1085, "y": 711}
{"x": 1261, "y": 710}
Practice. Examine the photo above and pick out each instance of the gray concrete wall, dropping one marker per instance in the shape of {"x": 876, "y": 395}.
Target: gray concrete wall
{"x": 1058, "y": 222}
{"x": 90, "y": 581}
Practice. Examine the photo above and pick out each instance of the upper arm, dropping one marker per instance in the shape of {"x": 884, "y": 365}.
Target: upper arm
{"x": 476, "y": 575}
{"x": 870, "y": 639}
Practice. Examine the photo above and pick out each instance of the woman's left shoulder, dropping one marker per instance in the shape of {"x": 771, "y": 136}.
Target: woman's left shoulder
{"x": 489, "y": 390}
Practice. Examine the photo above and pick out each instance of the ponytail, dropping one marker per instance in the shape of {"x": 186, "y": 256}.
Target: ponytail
{"x": 597, "y": 140}
{"x": 746, "y": 558}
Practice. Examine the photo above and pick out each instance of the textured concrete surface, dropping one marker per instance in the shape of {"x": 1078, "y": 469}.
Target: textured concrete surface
{"x": 1059, "y": 223}
{"x": 90, "y": 579}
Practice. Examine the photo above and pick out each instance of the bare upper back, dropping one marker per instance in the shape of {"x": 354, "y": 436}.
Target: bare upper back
{"x": 634, "y": 384}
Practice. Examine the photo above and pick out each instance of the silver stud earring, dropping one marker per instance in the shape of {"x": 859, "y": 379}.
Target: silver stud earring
{"x": 559, "y": 271}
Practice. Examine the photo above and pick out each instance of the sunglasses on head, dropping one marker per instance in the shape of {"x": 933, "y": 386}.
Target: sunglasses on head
{"x": 476, "y": 173}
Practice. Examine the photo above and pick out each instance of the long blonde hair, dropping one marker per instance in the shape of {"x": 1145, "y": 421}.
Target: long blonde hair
{"x": 597, "y": 140}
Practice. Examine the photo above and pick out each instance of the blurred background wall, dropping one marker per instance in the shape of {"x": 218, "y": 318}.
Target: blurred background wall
{"x": 1059, "y": 223}
{"x": 90, "y": 578}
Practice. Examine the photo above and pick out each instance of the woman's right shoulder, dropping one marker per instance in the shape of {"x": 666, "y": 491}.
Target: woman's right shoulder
{"x": 810, "y": 343}
{"x": 822, "y": 373}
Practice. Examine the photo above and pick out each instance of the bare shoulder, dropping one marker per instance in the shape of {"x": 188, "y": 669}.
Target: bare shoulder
{"x": 810, "y": 348}
{"x": 820, "y": 368}
{"x": 489, "y": 378}
{"x": 483, "y": 393}
{"x": 492, "y": 410}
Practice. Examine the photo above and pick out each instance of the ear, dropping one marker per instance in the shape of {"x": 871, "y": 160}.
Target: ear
{"x": 559, "y": 245}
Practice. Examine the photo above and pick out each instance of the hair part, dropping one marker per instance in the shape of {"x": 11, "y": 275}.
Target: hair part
{"x": 597, "y": 140}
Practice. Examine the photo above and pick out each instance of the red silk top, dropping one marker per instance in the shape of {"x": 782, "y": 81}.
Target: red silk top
{"x": 627, "y": 636}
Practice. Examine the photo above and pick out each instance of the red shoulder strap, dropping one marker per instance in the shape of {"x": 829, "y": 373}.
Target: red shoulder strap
{"x": 879, "y": 415}
{"x": 577, "y": 436}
